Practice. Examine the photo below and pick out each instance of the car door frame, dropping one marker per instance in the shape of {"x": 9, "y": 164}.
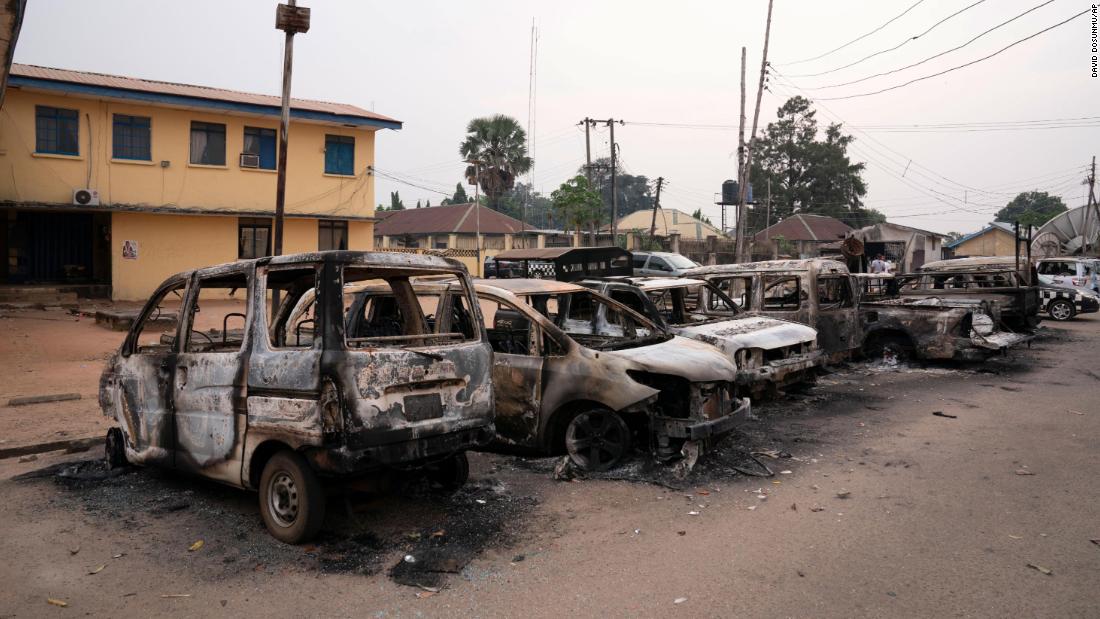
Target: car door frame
{"x": 518, "y": 381}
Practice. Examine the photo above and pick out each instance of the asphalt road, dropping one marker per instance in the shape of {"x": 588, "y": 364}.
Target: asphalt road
{"x": 887, "y": 511}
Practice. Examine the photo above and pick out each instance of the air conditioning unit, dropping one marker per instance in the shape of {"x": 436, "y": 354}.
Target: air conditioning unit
{"x": 85, "y": 197}
{"x": 249, "y": 160}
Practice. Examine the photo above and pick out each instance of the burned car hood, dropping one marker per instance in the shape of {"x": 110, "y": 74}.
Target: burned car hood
{"x": 750, "y": 332}
{"x": 679, "y": 356}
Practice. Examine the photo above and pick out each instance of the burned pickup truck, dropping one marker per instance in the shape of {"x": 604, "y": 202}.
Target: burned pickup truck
{"x": 769, "y": 352}
{"x": 576, "y": 372}
{"x": 822, "y": 293}
{"x": 277, "y": 397}
{"x": 1002, "y": 281}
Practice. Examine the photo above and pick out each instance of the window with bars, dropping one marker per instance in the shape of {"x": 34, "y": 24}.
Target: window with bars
{"x": 332, "y": 235}
{"x": 261, "y": 142}
{"x": 340, "y": 155}
{"x": 57, "y": 130}
{"x": 207, "y": 143}
{"x": 253, "y": 237}
{"x": 132, "y": 138}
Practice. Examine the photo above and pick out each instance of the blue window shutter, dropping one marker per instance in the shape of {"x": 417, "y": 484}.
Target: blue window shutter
{"x": 267, "y": 150}
{"x": 339, "y": 155}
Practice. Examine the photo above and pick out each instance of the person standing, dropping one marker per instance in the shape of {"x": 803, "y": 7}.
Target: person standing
{"x": 878, "y": 265}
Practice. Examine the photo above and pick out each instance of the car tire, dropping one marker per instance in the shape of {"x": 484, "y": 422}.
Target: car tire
{"x": 292, "y": 501}
{"x": 451, "y": 473}
{"x": 1061, "y": 310}
{"x": 884, "y": 345}
{"x": 114, "y": 449}
{"x": 597, "y": 439}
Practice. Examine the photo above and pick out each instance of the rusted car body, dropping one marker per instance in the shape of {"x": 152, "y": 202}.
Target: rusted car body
{"x": 822, "y": 293}
{"x": 992, "y": 279}
{"x": 768, "y": 352}
{"x": 227, "y": 392}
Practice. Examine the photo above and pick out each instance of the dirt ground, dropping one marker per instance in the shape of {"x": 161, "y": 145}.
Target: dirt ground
{"x": 881, "y": 509}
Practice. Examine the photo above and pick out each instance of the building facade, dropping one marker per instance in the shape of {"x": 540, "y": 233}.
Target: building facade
{"x": 118, "y": 182}
{"x": 668, "y": 221}
{"x": 996, "y": 239}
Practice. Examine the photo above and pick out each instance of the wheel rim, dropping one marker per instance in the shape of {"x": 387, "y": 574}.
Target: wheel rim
{"x": 595, "y": 441}
{"x": 1061, "y": 311}
{"x": 282, "y": 499}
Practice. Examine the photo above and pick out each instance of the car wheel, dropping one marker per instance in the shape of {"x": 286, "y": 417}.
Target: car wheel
{"x": 597, "y": 439}
{"x": 1060, "y": 310}
{"x": 892, "y": 348}
{"x": 292, "y": 501}
{"x": 114, "y": 449}
{"x": 451, "y": 473}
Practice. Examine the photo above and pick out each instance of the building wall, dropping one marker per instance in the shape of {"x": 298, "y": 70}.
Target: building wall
{"x": 995, "y": 242}
{"x": 26, "y": 176}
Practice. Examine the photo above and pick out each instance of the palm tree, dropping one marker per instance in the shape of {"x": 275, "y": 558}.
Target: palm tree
{"x": 498, "y": 145}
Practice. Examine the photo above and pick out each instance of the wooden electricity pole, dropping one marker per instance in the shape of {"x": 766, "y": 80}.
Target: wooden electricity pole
{"x": 614, "y": 187}
{"x": 739, "y": 231}
{"x": 755, "y": 119}
{"x": 656, "y": 205}
{"x": 292, "y": 19}
{"x": 587, "y": 152}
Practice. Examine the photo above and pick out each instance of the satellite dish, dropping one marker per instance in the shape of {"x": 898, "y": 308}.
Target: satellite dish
{"x": 851, "y": 247}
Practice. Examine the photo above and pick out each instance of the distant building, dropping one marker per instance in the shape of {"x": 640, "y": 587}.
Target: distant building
{"x": 996, "y": 239}
{"x": 669, "y": 220}
{"x": 804, "y": 233}
{"x": 118, "y": 182}
{"x": 908, "y": 248}
{"x": 453, "y": 230}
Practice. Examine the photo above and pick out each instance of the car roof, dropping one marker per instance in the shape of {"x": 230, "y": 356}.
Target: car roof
{"x": 523, "y": 286}
{"x": 972, "y": 263}
{"x": 383, "y": 259}
{"x": 799, "y": 264}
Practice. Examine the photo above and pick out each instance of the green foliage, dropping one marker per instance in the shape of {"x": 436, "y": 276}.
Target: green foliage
{"x": 1032, "y": 208}
{"x": 460, "y": 196}
{"x": 499, "y": 143}
{"x": 807, "y": 174}
{"x": 698, "y": 214}
{"x": 395, "y": 202}
{"x": 635, "y": 193}
{"x": 575, "y": 204}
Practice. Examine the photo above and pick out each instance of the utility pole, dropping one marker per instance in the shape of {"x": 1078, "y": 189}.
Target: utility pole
{"x": 1091, "y": 208}
{"x": 739, "y": 231}
{"x": 768, "y": 221}
{"x": 291, "y": 19}
{"x": 656, "y": 205}
{"x": 587, "y": 152}
{"x": 756, "y": 114}
{"x": 614, "y": 188}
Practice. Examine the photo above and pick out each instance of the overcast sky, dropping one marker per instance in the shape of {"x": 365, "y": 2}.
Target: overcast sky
{"x": 435, "y": 65}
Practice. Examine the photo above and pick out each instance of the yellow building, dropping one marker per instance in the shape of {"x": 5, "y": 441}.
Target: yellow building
{"x": 996, "y": 239}
{"x": 115, "y": 183}
{"x": 668, "y": 221}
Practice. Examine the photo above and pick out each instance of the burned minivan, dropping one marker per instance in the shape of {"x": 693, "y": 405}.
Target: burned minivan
{"x": 769, "y": 352}
{"x": 260, "y": 385}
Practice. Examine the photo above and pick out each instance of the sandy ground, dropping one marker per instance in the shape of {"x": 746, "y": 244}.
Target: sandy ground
{"x": 939, "y": 518}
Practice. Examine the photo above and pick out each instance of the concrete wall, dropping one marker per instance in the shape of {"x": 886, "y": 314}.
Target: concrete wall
{"x": 26, "y": 176}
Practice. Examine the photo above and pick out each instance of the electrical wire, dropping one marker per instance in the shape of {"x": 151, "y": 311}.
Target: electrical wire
{"x": 896, "y": 47}
{"x": 859, "y": 38}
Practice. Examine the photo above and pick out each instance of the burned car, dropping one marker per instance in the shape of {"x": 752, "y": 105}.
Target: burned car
{"x": 259, "y": 389}
{"x": 576, "y": 372}
{"x": 769, "y": 352}
{"x": 822, "y": 293}
{"x": 1006, "y": 281}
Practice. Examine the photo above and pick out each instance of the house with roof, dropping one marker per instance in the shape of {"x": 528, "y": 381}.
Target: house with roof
{"x": 668, "y": 221}
{"x": 803, "y": 234}
{"x": 114, "y": 182}
{"x": 995, "y": 239}
{"x": 908, "y": 248}
{"x": 454, "y": 230}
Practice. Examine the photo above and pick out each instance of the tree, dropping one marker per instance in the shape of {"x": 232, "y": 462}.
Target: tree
{"x": 698, "y": 214}
{"x": 576, "y": 204}
{"x": 954, "y": 236}
{"x": 1032, "y": 208}
{"x": 499, "y": 146}
{"x": 418, "y": 204}
{"x": 427, "y": 204}
{"x": 460, "y": 196}
{"x": 395, "y": 202}
{"x": 635, "y": 192}
{"x": 808, "y": 174}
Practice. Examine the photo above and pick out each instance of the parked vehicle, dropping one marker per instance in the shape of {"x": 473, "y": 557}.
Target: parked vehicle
{"x": 661, "y": 263}
{"x": 566, "y": 264}
{"x": 1068, "y": 272}
{"x": 502, "y": 269}
{"x": 820, "y": 292}
{"x": 768, "y": 352}
{"x": 993, "y": 279}
{"x": 576, "y": 372}
{"x": 276, "y": 399}
{"x": 1063, "y": 304}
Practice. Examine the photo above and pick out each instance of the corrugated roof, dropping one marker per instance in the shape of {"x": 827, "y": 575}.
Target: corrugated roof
{"x": 451, "y": 219}
{"x": 993, "y": 225}
{"x": 187, "y": 90}
{"x": 806, "y": 227}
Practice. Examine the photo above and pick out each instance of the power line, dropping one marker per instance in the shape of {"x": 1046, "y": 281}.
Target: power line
{"x": 1013, "y": 44}
{"x": 898, "y": 46}
{"x": 859, "y": 38}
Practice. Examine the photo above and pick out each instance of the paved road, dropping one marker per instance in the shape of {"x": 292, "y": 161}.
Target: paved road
{"x": 938, "y": 520}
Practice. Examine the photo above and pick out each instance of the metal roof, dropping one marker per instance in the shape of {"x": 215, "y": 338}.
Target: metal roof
{"x": 806, "y": 227}
{"x": 450, "y": 219}
{"x": 171, "y": 93}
